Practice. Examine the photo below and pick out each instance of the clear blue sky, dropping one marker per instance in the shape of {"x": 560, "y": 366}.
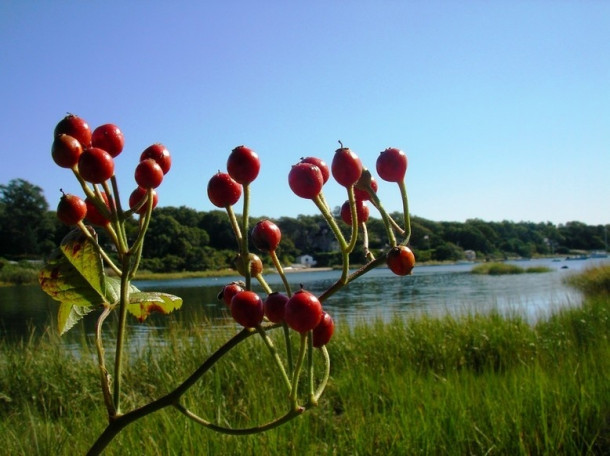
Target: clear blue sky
{"x": 502, "y": 107}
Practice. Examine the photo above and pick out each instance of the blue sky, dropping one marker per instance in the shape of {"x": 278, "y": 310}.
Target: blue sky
{"x": 503, "y": 107}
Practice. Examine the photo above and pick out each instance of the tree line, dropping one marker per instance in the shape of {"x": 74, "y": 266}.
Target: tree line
{"x": 184, "y": 239}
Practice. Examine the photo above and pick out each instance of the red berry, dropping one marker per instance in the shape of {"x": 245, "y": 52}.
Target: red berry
{"x": 362, "y": 212}
{"x": 324, "y": 331}
{"x": 247, "y": 309}
{"x": 223, "y": 191}
{"x": 320, "y": 164}
{"x": 139, "y": 195}
{"x": 360, "y": 191}
{"x": 256, "y": 265}
{"x": 243, "y": 165}
{"x": 346, "y": 167}
{"x": 266, "y": 236}
{"x": 93, "y": 214}
{"x": 95, "y": 165}
{"x": 303, "y": 311}
{"x": 108, "y": 137}
{"x": 76, "y": 127}
{"x": 392, "y": 165}
{"x": 400, "y": 260}
{"x": 230, "y": 290}
{"x": 275, "y": 305}
{"x": 71, "y": 209}
{"x": 148, "y": 174}
{"x": 305, "y": 180}
{"x": 66, "y": 150}
{"x": 160, "y": 154}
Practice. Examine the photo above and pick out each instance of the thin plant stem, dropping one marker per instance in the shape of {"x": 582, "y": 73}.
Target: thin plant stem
{"x": 280, "y": 271}
{"x": 319, "y": 202}
{"x": 291, "y": 414}
{"x": 121, "y": 334}
{"x": 387, "y": 220}
{"x": 353, "y": 212}
{"x": 263, "y": 283}
{"x": 297, "y": 370}
{"x": 310, "y": 368}
{"x": 286, "y": 331}
{"x": 326, "y": 375}
{"x": 245, "y": 253}
{"x": 83, "y": 228}
{"x": 104, "y": 376}
{"x": 275, "y": 355}
{"x": 405, "y": 210}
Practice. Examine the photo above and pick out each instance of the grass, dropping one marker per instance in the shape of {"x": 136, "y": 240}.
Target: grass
{"x": 21, "y": 273}
{"x": 475, "y": 384}
{"x": 506, "y": 268}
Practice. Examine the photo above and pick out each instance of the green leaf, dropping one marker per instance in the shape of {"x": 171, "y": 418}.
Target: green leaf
{"x": 60, "y": 280}
{"x": 75, "y": 277}
{"x": 142, "y": 304}
{"x": 83, "y": 255}
{"x": 69, "y": 315}
{"x": 113, "y": 289}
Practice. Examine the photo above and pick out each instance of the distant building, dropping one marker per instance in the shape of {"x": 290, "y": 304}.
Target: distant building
{"x": 306, "y": 261}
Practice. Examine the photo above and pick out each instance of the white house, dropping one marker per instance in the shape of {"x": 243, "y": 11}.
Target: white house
{"x": 306, "y": 261}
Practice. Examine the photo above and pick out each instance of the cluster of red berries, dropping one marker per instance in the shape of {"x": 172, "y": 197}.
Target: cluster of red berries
{"x": 302, "y": 311}
{"x": 307, "y": 178}
{"x": 225, "y": 189}
{"x": 90, "y": 154}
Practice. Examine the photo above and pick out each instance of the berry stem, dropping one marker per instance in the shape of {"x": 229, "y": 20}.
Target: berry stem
{"x": 275, "y": 355}
{"x": 326, "y": 375}
{"x": 286, "y": 331}
{"x": 363, "y": 270}
{"x": 263, "y": 283}
{"x": 320, "y": 203}
{"x": 312, "y": 397}
{"x": 245, "y": 254}
{"x": 291, "y": 414}
{"x": 136, "y": 249}
{"x": 405, "y": 210}
{"x": 387, "y": 220}
{"x": 297, "y": 371}
{"x": 354, "y": 214}
{"x": 104, "y": 375}
{"x": 365, "y": 242}
{"x": 81, "y": 226}
{"x": 280, "y": 270}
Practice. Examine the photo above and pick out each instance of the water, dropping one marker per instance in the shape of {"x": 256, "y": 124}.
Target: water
{"x": 435, "y": 290}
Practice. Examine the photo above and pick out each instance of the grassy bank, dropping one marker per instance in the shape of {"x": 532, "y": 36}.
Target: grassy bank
{"x": 506, "y": 268}
{"x": 477, "y": 384}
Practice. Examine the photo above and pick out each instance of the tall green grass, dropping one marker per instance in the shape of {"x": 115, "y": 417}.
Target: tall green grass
{"x": 474, "y": 384}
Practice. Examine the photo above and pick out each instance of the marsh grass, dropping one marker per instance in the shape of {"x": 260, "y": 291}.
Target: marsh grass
{"x": 472, "y": 384}
{"x": 506, "y": 268}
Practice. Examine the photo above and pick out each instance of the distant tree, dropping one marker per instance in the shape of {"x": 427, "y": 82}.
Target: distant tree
{"x": 26, "y": 226}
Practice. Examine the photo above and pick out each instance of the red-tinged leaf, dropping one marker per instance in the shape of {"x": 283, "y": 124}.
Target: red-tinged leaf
{"x": 81, "y": 252}
{"x": 60, "y": 280}
{"x": 142, "y": 304}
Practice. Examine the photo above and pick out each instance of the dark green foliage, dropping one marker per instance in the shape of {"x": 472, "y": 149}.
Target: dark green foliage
{"x": 181, "y": 238}
{"x": 26, "y": 228}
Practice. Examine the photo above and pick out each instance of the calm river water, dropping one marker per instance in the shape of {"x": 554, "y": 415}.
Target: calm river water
{"x": 435, "y": 290}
